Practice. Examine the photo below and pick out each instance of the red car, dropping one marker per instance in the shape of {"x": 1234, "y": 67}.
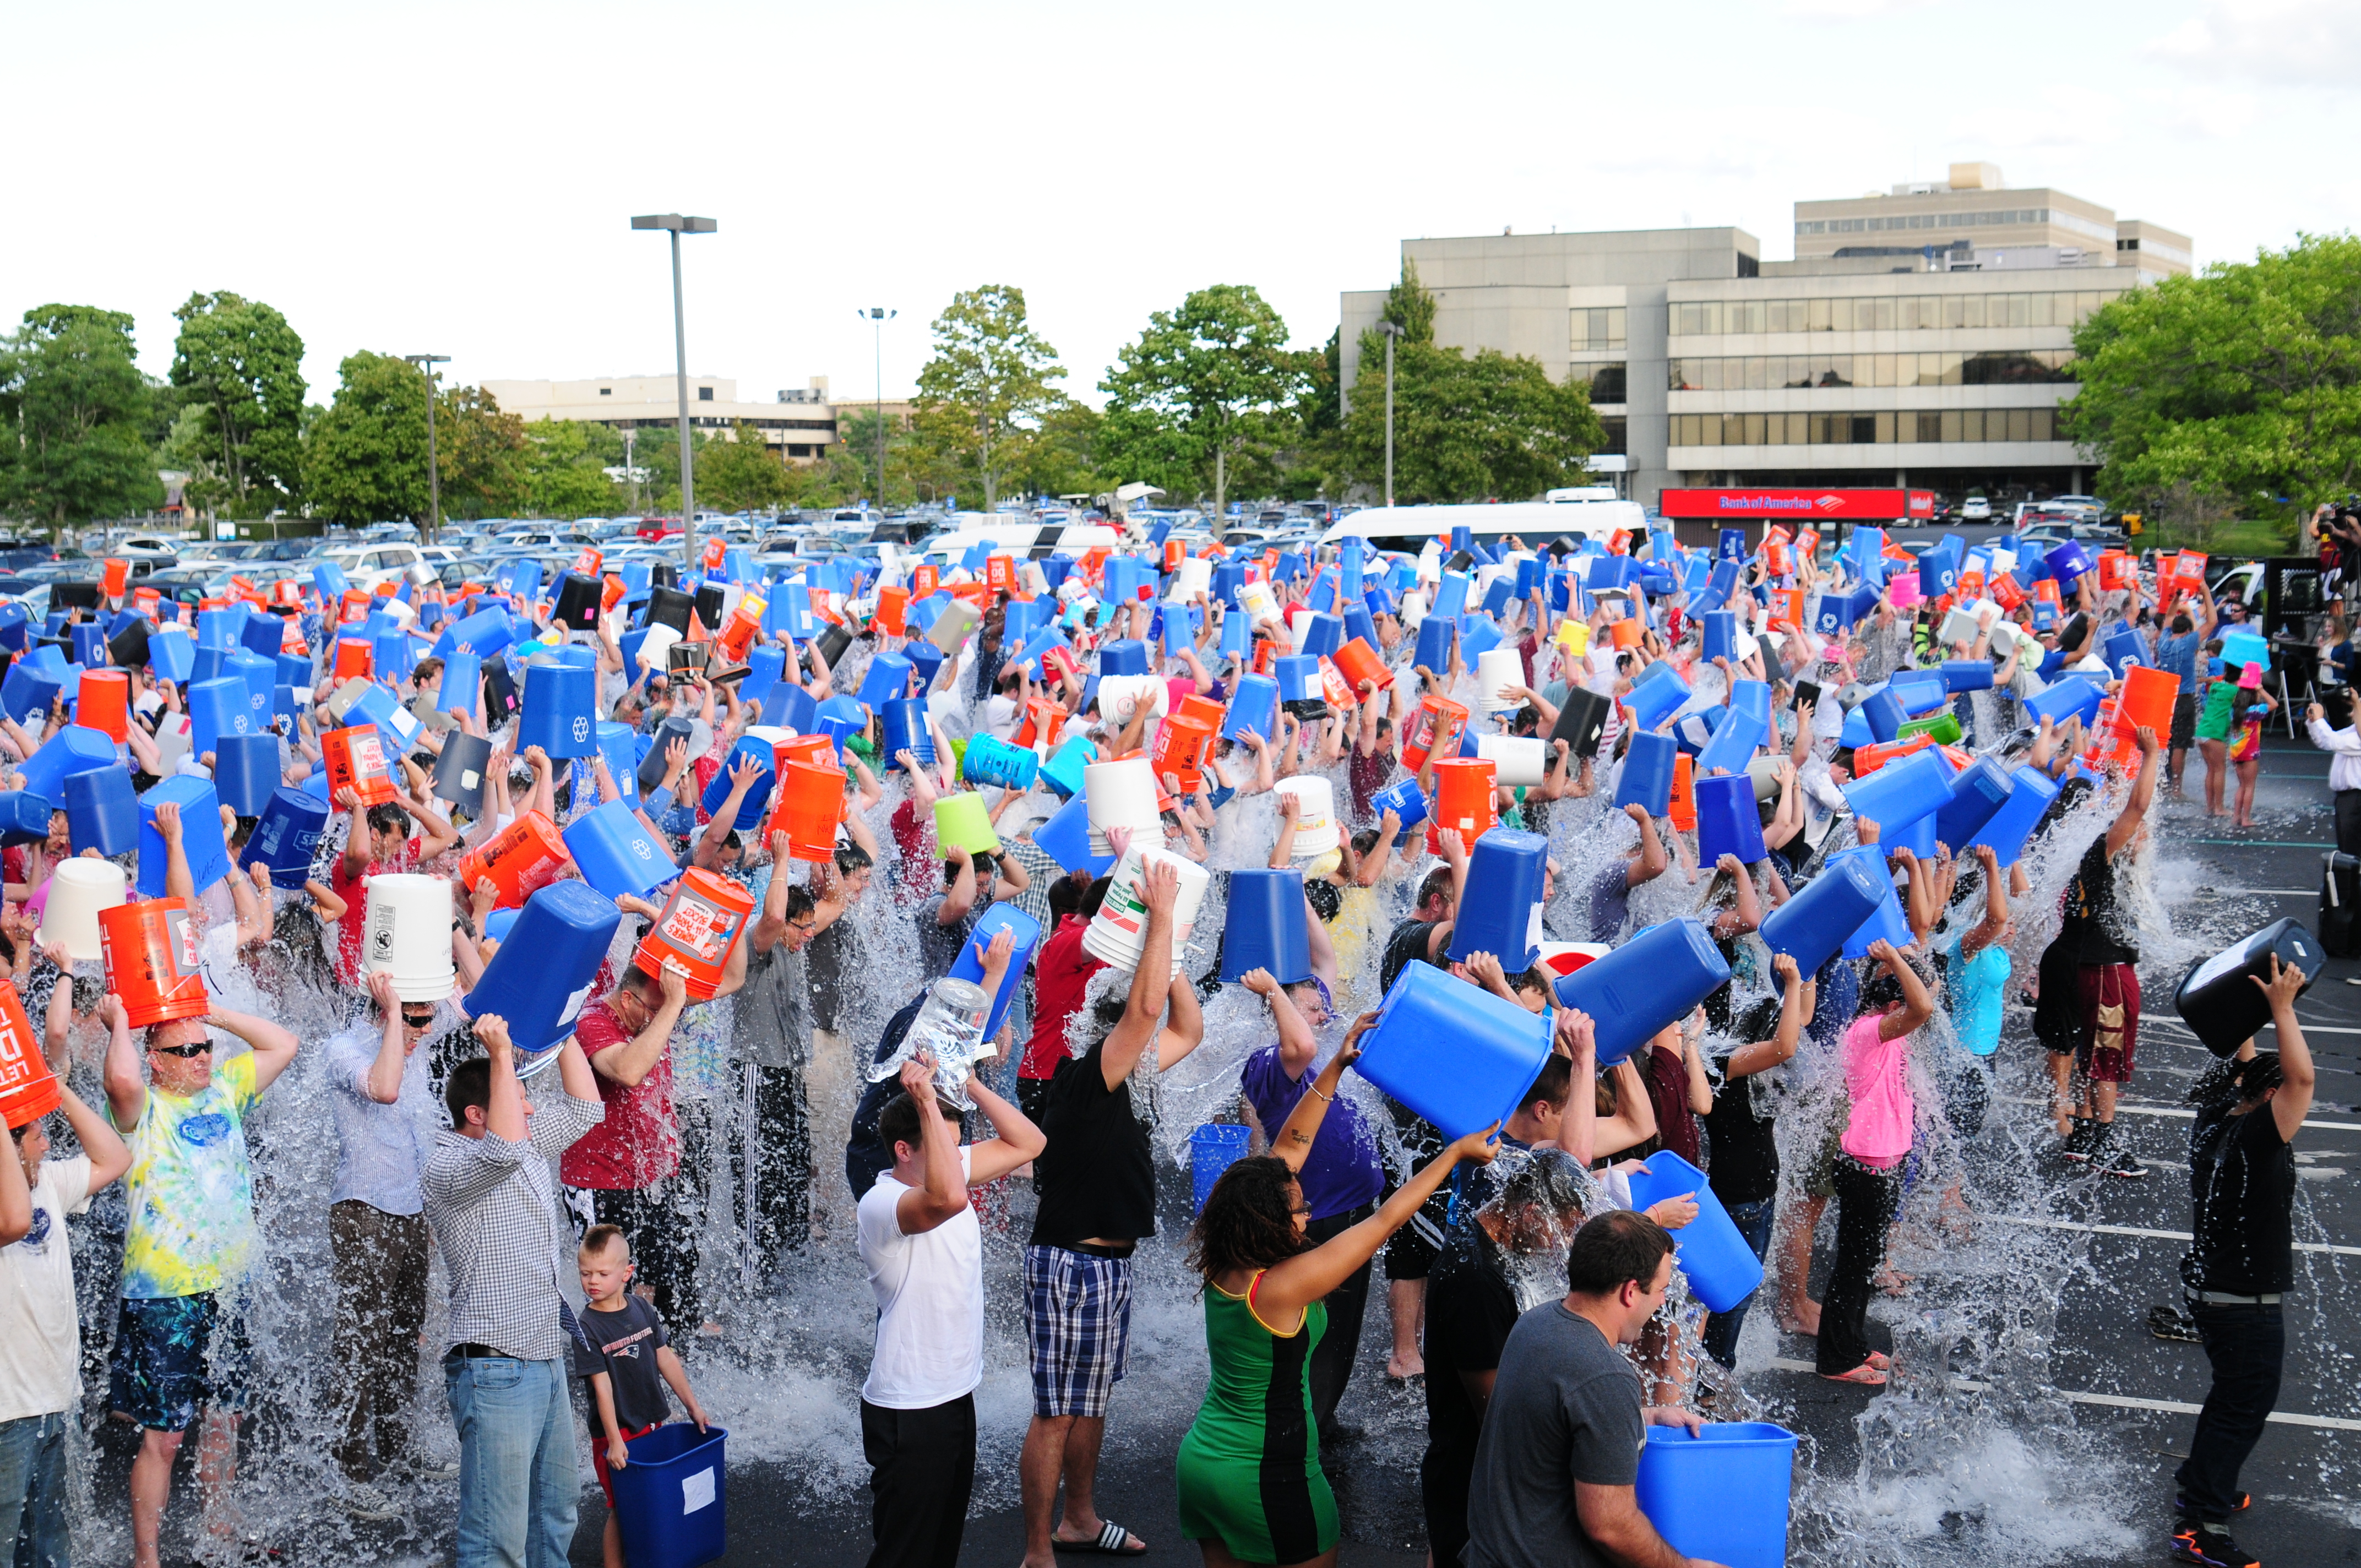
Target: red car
{"x": 658, "y": 529}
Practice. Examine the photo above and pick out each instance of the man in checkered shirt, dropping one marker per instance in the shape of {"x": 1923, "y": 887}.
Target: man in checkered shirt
{"x": 492, "y": 1200}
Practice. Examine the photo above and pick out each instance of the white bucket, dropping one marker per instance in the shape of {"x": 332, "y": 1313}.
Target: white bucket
{"x": 656, "y": 648}
{"x": 1413, "y": 608}
{"x": 1119, "y": 931}
{"x": 1959, "y": 626}
{"x": 1116, "y": 690}
{"x": 1495, "y": 668}
{"x": 1316, "y": 820}
{"x": 402, "y": 614}
{"x": 79, "y": 889}
{"x": 1516, "y": 759}
{"x": 1259, "y": 601}
{"x": 409, "y": 934}
{"x": 1195, "y": 576}
{"x": 952, "y": 627}
{"x": 1121, "y": 794}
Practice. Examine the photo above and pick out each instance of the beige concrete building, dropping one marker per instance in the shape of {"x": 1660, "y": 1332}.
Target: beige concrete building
{"x": 800, "y": 423}
{"x": 1920, "y": 337}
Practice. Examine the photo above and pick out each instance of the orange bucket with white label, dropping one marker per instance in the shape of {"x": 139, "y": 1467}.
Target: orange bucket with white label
{"x": 1683, "y": 809}
{"x": 1181, "y": 751}
{"x": 29, "y": 1091}
{"x": 701, "y": 922}
{"x": 1433, "y": 726}
{"x": 521, "y": 859}
{"x": 150, "y": 949}
{"x": 1462, "y": 801}
{"x": 356, "y": 759}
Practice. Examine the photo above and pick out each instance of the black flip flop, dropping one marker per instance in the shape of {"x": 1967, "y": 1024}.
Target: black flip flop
{"x": 1110, "y": 1543}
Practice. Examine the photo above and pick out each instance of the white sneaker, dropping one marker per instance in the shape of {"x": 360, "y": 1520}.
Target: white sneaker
{"x": 364, "y": 1501}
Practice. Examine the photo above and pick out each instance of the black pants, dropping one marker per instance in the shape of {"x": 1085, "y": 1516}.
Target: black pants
{"x": 662, "y": 1222}
{"x": 1866, "y": 1202}
{"x": 783, "y": 1162}
{"x": 2348, "y": 821}
{"x": 1331, "y": 1360}
{"x": 2247, "y": 1346}
{"x": 922, "y": 1466}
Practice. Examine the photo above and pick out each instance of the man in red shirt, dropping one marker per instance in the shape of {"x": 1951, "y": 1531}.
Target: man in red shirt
{"x": 623, "y": 1172}
{"x": 379, "y": 841}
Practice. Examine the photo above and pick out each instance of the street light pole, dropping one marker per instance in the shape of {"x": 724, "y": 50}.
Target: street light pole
{"x": 1392, "y": 331}
{"x": 878, "y": 315}
{"x": 676, "y": 226}
{"x": 426, "y": 362}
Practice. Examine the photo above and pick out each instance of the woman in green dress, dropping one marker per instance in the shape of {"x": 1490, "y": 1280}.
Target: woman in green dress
{"x": 1251, "y": 1490}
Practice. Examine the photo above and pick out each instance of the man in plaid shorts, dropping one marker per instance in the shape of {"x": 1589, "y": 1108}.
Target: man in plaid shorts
{"x": 1097, "y": 1200}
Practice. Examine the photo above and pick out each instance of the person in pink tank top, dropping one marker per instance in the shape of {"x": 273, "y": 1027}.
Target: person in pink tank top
{"x": 1875, "y": 1141}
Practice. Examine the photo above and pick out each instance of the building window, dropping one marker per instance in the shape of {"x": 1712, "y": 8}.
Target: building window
{"x": 606, "y": 391}
{"x": 1883, "y": 312}
{"x": 1795, "y": 372}
{"x": 704, "y": 394}
{"x": 1598, "y": 329}
{"x": 1618, "y": 435}
{"x": 1857, "y": 429}
{"x": 1608, "y": 382}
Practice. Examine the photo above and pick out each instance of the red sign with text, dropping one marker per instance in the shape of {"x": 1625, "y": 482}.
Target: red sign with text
{"x": 1773, "y": 506}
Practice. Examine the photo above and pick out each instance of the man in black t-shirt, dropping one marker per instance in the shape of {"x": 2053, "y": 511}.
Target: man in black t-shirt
{"x": 2237, "y": 1270}
{"x": 1470, "y": 1307}
{"x": 1097, "y": 1182}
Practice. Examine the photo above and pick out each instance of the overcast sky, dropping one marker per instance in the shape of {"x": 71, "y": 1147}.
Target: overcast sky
{"x": 459, "y": 179}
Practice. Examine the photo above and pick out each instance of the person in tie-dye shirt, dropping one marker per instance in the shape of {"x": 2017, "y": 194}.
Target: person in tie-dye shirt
{"x": 181, "y": 1342}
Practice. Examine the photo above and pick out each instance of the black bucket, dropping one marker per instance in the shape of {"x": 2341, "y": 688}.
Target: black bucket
{"x": 2218, "y": 999}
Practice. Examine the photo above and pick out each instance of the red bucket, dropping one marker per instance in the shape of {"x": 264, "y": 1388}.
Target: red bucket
{"x": 151, "y": 951}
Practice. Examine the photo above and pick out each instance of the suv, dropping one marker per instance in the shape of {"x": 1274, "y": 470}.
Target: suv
{"x": 365, "y": 567}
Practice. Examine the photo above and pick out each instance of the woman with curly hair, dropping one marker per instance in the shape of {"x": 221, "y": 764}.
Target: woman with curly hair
{"x": 1251, "y": 1490}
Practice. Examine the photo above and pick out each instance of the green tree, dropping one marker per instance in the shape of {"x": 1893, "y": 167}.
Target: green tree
{"x": 364, "y": 454}
{"x": 75, "y": 416}
{"x": 238, "y": 367}
{"x": 983, "y": 394}
{"x": 1489, "y": 427}
{"x": 2241, "y": 385}
{"x": 565, "y": 468}
{"x": 480, "y": 453}
{"x": 1206, "y": 383}
{"x": 1067, "y": 457}
{"x": 743, "y": 474}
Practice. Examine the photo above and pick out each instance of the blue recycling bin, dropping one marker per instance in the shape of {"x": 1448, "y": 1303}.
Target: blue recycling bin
{"x": 1265, "y": 929}
{"x": 1454, "y": 1053}
{"x": 615, "y": 853}
{"x": 1721, "y": 1494}
{"x": 103, "y": 811}
{"x": 886, "y": 680}
{"x": 1501, "y": 911}
{"x": 559, "y": 714}
{"x": 671, "y": 1503}
{"x": 541, "y": 975}
{"x": 201, "y": 835}
{"x": 1647, "y": 777}
{"x": 288, "y": 837}
{"x": 1722, "y": 1269}
{"x": 28, "y": 692}
{"x": 1213, "y": 1149}
{"x": 1650, "y": 981}
{"x": 1024, "y": 940}
{"x": 1811, "y": 927}
{"x": 1254, "y": 707}
{"x": 246, "y": 772}
{"x": 24, "y": 817}
{"x": 70, "y": 751}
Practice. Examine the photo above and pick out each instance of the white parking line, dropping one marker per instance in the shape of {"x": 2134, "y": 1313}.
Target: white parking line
{"x": 2048, "y": 1224}
{"x": 2181, "y": 1112}
{"x": 2122, "y": 1401}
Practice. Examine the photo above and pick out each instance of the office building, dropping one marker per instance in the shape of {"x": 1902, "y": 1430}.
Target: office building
{"x": 800, "y": 424}
{"x": 1919, "y": 339}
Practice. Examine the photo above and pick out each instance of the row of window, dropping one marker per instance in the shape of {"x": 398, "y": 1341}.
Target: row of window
{"x": 1598, "y": 328}
{"x": 1888, "y": 313}
{"x": 2005, "y": 218}
{"x": 1772, "y": 372}
{"x": 1864, "y": 429}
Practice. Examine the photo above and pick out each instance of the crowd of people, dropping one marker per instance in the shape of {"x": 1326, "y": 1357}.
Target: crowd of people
{"x": 559, "y": 1185}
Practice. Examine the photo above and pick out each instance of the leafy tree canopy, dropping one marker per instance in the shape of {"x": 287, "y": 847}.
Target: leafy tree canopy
{"x": 1203, "y": 385}
{"x": 2241, "y": 384}
{"x": 237, "y": 365}
{"x": 565, "y": 468}
{"x": 364, "y": 460}
{"x": 983, "y": 394}
{"x": 74, "y": 415}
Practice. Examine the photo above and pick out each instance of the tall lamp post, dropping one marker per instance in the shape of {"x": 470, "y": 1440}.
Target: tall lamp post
{"x": 1392, "y": 331}
{"x": 877, "y": 316}
{"x": 426, "y": 362}
{"x": 675, "y": 225}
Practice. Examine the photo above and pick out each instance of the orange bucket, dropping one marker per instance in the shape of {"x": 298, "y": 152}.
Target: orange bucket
{"x": 29, "y": 1091}
{"x": 111, "y": 580}
{"x": 1175, "y": 552}
{"x": 893, "y": 603}
{"x": 588, "y": 562}
{"x": 2114, "y": 569}
{"x": 814, "y": 749}
{"x": 999, "y": 571}
{"x": 2147, "y": 698}
{"x": 1205, "y": 708}
{"x": 701, "y": 922}
{"x": 611, "y": 592}
{"x": 1683, "y": 809}
{"x": 1867, "y": 760}
{"x": 1774, "y": 557}
{"x": 737, "y": 631}
{"x": 352, "y": 661}
{"x": 1332, "y": 688}
{"x": 716, "y": 549}
{"x": 1044, "y": 719}
{"x": 811, "y": 803}
{"x": 521, "y": 859}
{"x": 1357, "y": 662}
{"x": 1808, "y": 543}
{"x": 924, "y": 580}
{"x": 1433, "y": 726}
{"x": 104, "y": 704}
{"x": 1181, "y": 751}
{"x": 2005, "y": 591}
{"x": 356, "y": 759}
{"x": 150, "y": 950}
{"x": 1463, "y": 800}
{"x": 1624, "y": 634}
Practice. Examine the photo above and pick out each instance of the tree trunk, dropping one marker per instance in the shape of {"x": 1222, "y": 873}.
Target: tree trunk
{"x": 1221, "y": 480}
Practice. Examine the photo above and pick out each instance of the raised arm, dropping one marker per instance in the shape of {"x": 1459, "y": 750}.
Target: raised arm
{"x": 1308, "y": 1276}
{"x": 2297, "y": 1077}
{"x": 274, "y": 1047}
{"x": 2134, "y": 812}
{"x": 1293, "y": 1143}
{"x": 1015, "y": 1139}
{"x": 1296, "y": 1044}
{"x": 921, "y": 1208}
{"x": 631, "y": 1061}
{"x": 1143, "y": 1011}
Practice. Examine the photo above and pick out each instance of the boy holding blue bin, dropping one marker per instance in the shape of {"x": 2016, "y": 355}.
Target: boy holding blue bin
{"x": 620, "y": 1346}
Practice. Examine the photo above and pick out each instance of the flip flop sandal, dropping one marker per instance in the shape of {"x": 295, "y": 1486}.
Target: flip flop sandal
{"x": 1865, "y": 1375}
{"x": 1110, "y": 1543}
{"x": 1880, "y": 1360}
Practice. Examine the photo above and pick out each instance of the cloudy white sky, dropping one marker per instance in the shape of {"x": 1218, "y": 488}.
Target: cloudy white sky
{"x": 458, "y": 178}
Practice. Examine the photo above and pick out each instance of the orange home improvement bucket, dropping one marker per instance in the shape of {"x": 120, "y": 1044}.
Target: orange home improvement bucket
{"x": 150, "y": 949}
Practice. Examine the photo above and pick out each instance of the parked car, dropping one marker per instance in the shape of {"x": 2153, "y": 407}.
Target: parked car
{"x": 1976, "y": 508}
{"x": 365, "y": 566}
{"x": 657, "y": 529}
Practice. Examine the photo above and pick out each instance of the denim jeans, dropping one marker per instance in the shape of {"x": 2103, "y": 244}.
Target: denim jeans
{"x": 2247, "y": 1346}
{"x": 517, "y": 1477}
{"x": 1753, "y": 1222}
{"x": 33, "y": 1490}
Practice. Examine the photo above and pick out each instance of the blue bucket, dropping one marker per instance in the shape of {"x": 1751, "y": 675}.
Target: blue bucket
{"x": 1722, "y": 1494}
{"x": 1406, "y": 801}
{"x": 1722, "y": 1269}
{"x": 246, "y": 772}
{"x": 1900, "y": 793}
{"x": 1501, "y": 914}
{"x": 2067, "y": 562}
{"x": 288, "y": 837}
{"x": 1811, "y": 927}
{"x": 764, "y": 749}
{"x": 905, "y": 730}
{"x": 1885, "y": 920}
{"x": 1452, "y": 1052}
{"x": 1477, "y": 638}
{"x": 1254, "y": 707}
{"x": 1433, "y": 654}
{"x": 1720, "y": 634}
{"x": 1066, "y": 839}
{"x": 1647, "y": 780}
{"x": 542, "y": 973}
{"x": 1653, "y": 698}
{"x": 1265, "y": 927}
{"x": 26, "y": 693}
{"x": 1213, "y": 1149}
{"x": 24, "y": 817}
{"x": 1648, "y": 982}
{"x": 1127, "y": 656}
{"x": 765, "y": 665}
{"x": 1746, "y": 725}
{"x": 201, "y": 835}
{"x": 1323, "y": 636}
{"x": 1978, "y": 792}
{"x": 1728, "y": 822}
{"x": 838, "y": 718}
{"x": 671, "y": 1503}
{"x": 1298, "y": 680}
{"x": 559, "y": 714}
{"x": 615, "y": 853}
{"x": 887, "y": 679}
{"x": 1450, "y": 600}
{"x": 990, "y": 761}
{"x": 1881, "y": 710}
{"x": 73, "y": 750}
{"x": 1967, "y": 675}
{"x": 1025, "y": 934}
{"x": 104, "y": 811}
{"x": 2071, "y": 696}
{"x": 484, "y": 633}
{"x": 2030, "y": 793}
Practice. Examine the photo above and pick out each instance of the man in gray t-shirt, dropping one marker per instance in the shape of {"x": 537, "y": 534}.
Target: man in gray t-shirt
{"x": 1566, "y": 1407}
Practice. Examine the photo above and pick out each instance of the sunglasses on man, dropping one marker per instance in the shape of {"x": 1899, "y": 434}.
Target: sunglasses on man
{"x": 417, "y": 1020}
{"x": 201, "y": 1048}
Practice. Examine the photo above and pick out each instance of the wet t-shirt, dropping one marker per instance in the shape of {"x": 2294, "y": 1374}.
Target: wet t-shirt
{"x": 1341, "y": 1172}
{"x": 2093, "y": 898}
{"x": 191, "y": 1189}
{"x": 2242, "y": 1179}
{"x": 624, "y": 1346}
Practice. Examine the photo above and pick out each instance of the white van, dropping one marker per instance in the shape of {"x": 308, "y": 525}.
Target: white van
{"x": 1596, "y": 515}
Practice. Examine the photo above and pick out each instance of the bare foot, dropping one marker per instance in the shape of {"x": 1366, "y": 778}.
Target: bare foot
{"x": 1893, "y": 1282}
{"x": 1405, "y": 1366}
{"x": 1800, "y": 1318}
